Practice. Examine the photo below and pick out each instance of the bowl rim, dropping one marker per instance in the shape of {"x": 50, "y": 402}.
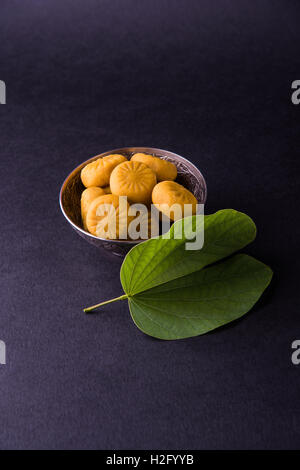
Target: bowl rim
{"x": 120, "y": 150}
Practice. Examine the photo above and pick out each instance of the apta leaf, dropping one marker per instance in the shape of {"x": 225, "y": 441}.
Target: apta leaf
{"x": 160, "y": 260}
{"x": 201, "y": 301}
{"x": 169, "y": 293}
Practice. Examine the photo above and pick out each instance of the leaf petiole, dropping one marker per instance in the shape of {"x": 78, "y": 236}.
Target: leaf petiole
{"x": 93, "y": 307}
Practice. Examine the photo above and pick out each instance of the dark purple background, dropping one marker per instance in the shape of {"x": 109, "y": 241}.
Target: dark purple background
{"x": 210, "y": 80}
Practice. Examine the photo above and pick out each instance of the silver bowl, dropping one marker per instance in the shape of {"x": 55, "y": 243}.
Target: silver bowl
{"x": 72, "y": 187}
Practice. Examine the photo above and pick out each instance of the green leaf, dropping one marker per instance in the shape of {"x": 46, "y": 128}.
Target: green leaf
{"x": 201, "y": 301}
{"x": 160, "y": 260}
{"x": 169, "y": 293}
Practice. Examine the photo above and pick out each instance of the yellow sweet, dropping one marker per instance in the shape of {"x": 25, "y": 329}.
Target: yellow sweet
{"x": 134, "y": 180}
{"x": 97, "y": 173}
{"x": 163, "y": 169}
{"x": 168, "y": 193}
{"x": 107, "y": 217}
{"x": 87, "y": 196}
